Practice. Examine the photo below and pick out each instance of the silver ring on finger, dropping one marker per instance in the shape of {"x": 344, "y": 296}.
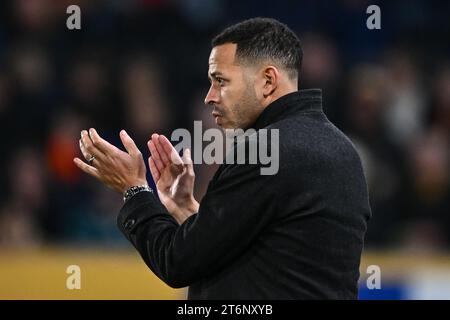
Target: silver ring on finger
{"x": 91, "y": 160}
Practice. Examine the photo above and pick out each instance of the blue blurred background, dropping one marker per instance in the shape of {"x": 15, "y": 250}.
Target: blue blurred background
{"x": 141, "y": 65}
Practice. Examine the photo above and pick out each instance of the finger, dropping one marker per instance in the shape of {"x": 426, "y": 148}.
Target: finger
{"x": 164, "y": 157}
{"x": 187, "y": 160}
{"x": 103, "y": 145}
{"x": 169, "y": 150}
{"x": 153, "y": 169}
{"x": 86, "y": 168}
{"x": 155, "y": 156}
{"x": 154, "y": 139}
{"x": 85, "y": 154}
{"x": 129, "y": 144}
{"x": 89, "y": 148}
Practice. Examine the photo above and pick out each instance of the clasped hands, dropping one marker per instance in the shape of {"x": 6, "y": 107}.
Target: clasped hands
{"x": 173, "y": 175}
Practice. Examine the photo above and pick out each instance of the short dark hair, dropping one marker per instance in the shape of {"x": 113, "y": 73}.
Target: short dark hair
{"x": 260, "y": 39}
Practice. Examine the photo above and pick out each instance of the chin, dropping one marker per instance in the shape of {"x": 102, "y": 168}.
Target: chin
{"x": 224, "y": 127}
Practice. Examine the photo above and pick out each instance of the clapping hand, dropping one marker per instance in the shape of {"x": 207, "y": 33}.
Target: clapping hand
{"x": 174, "y": 177}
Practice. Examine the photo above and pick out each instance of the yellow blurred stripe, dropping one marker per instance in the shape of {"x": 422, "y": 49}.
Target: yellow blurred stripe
{"x": 119, "y": 274}
{"x": 41, "y": 274}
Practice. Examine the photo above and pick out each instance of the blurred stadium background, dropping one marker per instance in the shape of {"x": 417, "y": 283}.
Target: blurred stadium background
{"x": 142, "y": 64}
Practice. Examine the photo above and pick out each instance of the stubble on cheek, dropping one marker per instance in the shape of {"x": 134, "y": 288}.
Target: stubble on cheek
{"x": 245, "y": 110}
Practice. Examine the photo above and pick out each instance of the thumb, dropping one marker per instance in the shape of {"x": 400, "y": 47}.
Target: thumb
{"x": 129, "y": 144}
{"x": 187, "y": 161}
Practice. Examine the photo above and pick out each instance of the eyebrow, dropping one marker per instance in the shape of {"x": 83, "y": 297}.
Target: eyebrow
{"x": 215, "y": 74}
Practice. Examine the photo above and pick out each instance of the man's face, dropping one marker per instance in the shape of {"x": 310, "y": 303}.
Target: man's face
{"x": 232, "y": 91}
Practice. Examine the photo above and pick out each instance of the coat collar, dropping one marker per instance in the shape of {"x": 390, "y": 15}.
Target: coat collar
{"x": 295, "y": 102}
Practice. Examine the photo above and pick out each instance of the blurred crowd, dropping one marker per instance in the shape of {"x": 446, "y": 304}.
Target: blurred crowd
{"x": 141, "y": 65}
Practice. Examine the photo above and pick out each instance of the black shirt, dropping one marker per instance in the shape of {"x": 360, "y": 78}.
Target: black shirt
{"x": 297, "y": 234}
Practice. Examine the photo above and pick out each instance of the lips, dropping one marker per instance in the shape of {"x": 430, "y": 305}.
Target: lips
{"x": 217, "y": 117}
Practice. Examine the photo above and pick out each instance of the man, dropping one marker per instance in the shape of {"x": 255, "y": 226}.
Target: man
{"x": 296, "y": 234}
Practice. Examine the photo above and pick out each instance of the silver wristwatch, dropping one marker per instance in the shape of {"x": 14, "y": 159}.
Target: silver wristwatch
{"x": 127, "y": 195}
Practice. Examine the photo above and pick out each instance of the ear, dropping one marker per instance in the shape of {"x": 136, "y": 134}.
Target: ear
{"x": 271, "y": 77}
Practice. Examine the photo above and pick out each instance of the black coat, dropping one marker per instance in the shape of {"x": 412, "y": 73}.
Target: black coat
{"x": 297, "y": 234}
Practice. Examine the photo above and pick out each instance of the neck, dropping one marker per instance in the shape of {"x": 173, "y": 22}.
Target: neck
{"x": 281, "y": 91}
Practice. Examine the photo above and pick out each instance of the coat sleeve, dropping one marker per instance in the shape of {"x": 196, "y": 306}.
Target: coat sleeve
{"x": 233, "y": 212}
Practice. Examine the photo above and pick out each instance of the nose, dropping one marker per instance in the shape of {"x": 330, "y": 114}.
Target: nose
{"x": 212, "y": 97}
